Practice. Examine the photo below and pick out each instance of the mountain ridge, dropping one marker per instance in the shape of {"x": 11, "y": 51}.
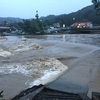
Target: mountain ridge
{"x": 10, "y": 19}
{"x": 87, "y": 13}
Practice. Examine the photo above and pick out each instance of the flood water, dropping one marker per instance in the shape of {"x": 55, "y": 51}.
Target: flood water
{"x": 36, "y": 58}
{"x": 92, "y": 39}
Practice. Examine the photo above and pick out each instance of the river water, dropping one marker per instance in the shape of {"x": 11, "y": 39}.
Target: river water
{"x": 31, "y": 60}
{"x": 92, "y": 39}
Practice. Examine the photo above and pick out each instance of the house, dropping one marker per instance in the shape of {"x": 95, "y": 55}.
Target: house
{"x": 82, "y": 25}
{"x": 56, "y": 25}
{"x": 4, "y": 28}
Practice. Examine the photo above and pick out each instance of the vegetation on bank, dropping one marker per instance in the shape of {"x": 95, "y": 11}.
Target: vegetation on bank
{"x": 85, "y": 14}
{"x": 1, "y": 95}
{"x": 39, "y": 25}
{"x": 33, "y": 26}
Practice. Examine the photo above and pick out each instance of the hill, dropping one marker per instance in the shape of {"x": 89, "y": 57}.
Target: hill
{"x": 86, "y": 14}
{"x": 10, "y": 19}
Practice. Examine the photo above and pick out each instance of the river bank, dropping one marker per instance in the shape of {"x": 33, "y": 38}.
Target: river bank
{"x": 28, "y": 62}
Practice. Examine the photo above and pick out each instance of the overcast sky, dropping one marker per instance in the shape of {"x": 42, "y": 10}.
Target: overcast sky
{"x": 27, "y": 8}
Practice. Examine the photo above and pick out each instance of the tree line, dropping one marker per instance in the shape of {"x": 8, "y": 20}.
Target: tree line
{"x": 86, "y": 14}
{"x": 32, "y": 26}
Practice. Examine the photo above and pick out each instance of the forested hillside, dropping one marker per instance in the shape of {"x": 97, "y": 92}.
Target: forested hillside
{"x": 86, "y": 14}
{"x": 10, "y": 19}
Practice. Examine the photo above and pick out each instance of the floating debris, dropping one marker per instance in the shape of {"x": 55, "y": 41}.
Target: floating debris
{"x": 4, "y": 53}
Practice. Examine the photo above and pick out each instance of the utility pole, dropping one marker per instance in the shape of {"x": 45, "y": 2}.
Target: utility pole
{"x": 37, "y": 16}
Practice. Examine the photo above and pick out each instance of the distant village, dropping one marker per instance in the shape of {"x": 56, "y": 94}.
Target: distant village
{"x": 36, "y": 27}
{"x": 56, "y": 28}
{"x": 63, "y": 24}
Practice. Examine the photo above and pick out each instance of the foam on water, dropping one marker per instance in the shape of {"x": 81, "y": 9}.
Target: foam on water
{"x": 48, "y": 77}
{"x": 42, "y": 70}
{"x": 4, "y": 53}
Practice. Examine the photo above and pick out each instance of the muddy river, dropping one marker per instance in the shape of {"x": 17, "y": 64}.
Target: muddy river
{"x": 26, "y": 61}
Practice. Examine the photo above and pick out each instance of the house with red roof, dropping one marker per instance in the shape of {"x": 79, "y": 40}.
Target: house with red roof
{"x": 82, "y": 25}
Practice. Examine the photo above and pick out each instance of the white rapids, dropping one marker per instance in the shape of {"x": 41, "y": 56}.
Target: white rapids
{"x": 28, "y": 62}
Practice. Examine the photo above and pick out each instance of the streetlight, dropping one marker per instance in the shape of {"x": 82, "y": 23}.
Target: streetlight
{"x": 73, "y": 18}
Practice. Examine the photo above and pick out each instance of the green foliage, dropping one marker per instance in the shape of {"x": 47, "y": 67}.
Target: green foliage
{"x": 29, "y": 26}
{"x": 86, "y": 14}
{"x": 1, "y": 96}
{"x": 38, "y": 25}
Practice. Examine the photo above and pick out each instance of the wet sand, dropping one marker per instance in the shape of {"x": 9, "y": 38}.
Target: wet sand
{"x": 82, "y": 61}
